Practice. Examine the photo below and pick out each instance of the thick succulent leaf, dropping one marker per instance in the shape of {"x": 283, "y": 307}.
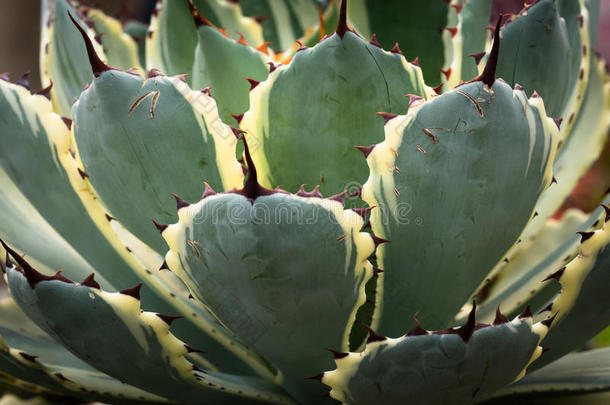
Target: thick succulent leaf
{"x": 436, "y": 181}
{"x": 320, "y": 106}
{"x": 63, "y": 57}
{"x": 171, "y": 25}
{"x": 582, "y": 306}
{"x": 575, "y": 373}
{"x": 285, "y": 272}
{"x": 464, "y": 36}
{"x": 42, "y": 187}
{"x": 77, "y": 236}
{"x": 120, "y": 48}
{"x": 582, "y": 147}
{"x": 429, "y": 368}
{"x": 224, "y": 64}
{"x": 83, "y": 318}
{"x": 283, "y": 21}
{"x": 521, "y": 277}
{"x": 388, "y": 20}
{"x": 48, "y": 364}
{"x": 538, "y": 36}
{"x": 142, "y": 140}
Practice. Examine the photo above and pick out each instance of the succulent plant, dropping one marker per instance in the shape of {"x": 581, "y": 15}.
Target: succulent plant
{"x": 434, "y": 271}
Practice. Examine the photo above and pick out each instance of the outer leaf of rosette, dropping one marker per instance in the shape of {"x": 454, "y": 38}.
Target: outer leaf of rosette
{"x": 101, "y": 327}
{"x": 434, "y": 369}
{"x": 531, "y": 44}
{"x": 285, "y": 273}
{"x": 448, "y": 207}
{"x": 416, "y": 25}
{"x": 142, "y": 140}
{"x": 585, "y": 280}
{"x": 52, "y": 366}
{"x": 224, "y": 64}
{"x": 38, "y": 197}
{"x": 63, "y": 57}
{"x": 305, "y": 120}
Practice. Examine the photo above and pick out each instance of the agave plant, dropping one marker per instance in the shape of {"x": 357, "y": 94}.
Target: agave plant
{"x": 434, "y": 271}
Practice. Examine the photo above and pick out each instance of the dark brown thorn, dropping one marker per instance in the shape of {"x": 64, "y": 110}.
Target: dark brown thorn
{"x": 415, "y": 61}
{"x": 313, "y": 193}
{"x": 535, "y": 94}
{"x": 180, "y": 203}
{"x": 366, "y": 150}
{"x": 477, "y": 57}
{"x": 337, "y": 354}
{"x": 338, "y": 197}
{"x": 377, "y": 240}
{"x": 164, "y": 266}
{"x": 28, "y": 357}
{"x": 580, "y": 19}
{"x": 62, "y": 377}
{"x": 237, "y": 131}
{"x": 251, "y": 188}
{"x": 46, "y": 92}
{"x": 90, "y": 281}
{"x": 197, "y": 17}
{"x": 438, "y": 89}
{"x": 374, "y": 41}
{"x": 301, "y": 46}
{"x": 386, "y": 116}
{"x": 318, "y": 377}
{"x": 500, "y": 318}
{"x": 518, "y": 87}
{"x": 23, "y": 80}
{"x": 207, "y": 91}
{"x": 32, "y": 275}
{"x": 548, "y": 322}
{"x": 558, "y": 122}
{"x": 342, "y": 27}
{"x": 168, "y": 319}
{"x": 189, "y": 349}
{"x": 527, "y": 313}
{"x": 82, "y": 174}
{"x": 446, "y": 72}
{"x": 272, "y": 66}
{"x": 376, "y": 271}
{"x": 98, "y": 38}
{"x": 452, "y": 31}
{"x": 208, "y": 191}
{"x": 556, "y": 275}
{"x": 466, "y": 331}
{"x": 153, "y": 73}
{"x": 160, "y": 227}
{"x": 191, "y": 297}
{"x": 362, "y": 211}
{"x": 264, "y": 47}
{"x": 553, "y": 180}
{"x": 417, "y": 330}
{"x": 607, "y": 209}
{"x": 458, "y": 7}
{"x": 396, "y": 49}
{"x": 67, "y": 121}
{"x": 584, "y": 236}
{"x": 489, "y": 72}
{"x": 373, "y": 336}
{"x": 109, "y": 218}
{"x": 545, "y": 349}
{"x": 253, "y": 83}
{"x": 97, "y": 66}
{"x": 133, "y": 292}
{"x": 238, "y": 117}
